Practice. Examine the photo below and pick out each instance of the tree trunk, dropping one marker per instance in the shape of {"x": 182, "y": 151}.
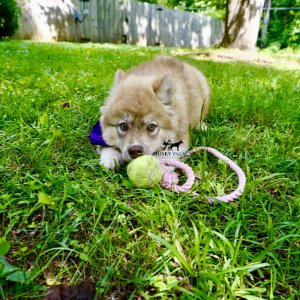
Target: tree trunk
{"x": 242, "y": 23}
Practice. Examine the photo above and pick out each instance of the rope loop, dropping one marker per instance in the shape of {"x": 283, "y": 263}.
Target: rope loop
{"x": 170, "y": 178}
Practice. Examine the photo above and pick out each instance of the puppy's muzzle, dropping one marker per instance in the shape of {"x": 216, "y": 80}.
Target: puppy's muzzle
{"x": 135, "y": 151}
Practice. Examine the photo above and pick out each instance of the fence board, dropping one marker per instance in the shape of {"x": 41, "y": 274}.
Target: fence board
{"x": 117, "y": 21}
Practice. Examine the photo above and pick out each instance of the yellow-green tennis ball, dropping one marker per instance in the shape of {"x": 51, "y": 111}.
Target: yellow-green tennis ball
{"x": 144, "y": 171}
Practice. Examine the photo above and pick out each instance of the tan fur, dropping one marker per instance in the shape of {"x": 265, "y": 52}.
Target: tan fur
{"x": 170, "y": 94}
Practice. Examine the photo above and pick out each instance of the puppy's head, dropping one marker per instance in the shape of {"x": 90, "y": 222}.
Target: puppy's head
{"x": 138, "y": 115}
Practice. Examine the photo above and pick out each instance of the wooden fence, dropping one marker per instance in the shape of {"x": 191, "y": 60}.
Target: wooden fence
{"x": 116, "y": 21}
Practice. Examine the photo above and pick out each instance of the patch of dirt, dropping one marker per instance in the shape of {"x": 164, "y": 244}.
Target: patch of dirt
{"x": 253, "y": 57}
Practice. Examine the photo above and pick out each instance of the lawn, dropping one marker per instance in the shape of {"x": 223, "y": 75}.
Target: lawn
{"x": 65, "y": 219}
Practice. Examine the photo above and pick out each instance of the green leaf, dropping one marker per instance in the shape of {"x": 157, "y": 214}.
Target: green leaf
{"x": 4, "y": 246}
{"x": 43, "y": 120}
{"x": 7, "y": 270}
{"x": 161, "y": 286}
{"x": 44, "y": 198}
{"x": 20, "y": 277}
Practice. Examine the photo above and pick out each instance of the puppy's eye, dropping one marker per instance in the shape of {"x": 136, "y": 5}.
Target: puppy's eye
{"x": 151, "y": 127}
{"x": 123, "y": 127}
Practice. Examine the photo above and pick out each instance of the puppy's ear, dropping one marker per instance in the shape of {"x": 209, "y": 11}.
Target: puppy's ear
{"x": 164, "y": 88}
{"x": 119, "y": 75}
{"x": 103, "y": 109}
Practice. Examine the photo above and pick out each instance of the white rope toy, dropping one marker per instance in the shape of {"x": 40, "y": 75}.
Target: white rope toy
{"x": 170, "y": 178}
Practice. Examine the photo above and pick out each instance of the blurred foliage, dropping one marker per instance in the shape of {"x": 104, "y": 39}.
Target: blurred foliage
{"x": 8, "y": 18}
{"x": 284, "y": 26}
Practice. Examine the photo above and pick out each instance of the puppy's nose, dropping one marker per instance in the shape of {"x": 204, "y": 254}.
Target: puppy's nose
{"x": 135, "y": 151}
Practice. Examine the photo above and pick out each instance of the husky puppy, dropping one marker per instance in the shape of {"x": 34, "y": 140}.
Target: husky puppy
{"x": 151, "y": 106}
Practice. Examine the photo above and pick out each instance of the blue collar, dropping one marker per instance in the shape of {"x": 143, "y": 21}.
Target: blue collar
{"x": 96, "y": 137}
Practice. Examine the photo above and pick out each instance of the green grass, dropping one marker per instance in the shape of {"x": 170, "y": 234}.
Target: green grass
{"x": 65, "y": 219}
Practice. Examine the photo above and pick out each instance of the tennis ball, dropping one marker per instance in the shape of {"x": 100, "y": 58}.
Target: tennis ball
{"x": 144, "y": 171}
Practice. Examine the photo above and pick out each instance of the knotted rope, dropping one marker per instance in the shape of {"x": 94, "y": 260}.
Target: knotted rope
{"x": 170, "y": 178}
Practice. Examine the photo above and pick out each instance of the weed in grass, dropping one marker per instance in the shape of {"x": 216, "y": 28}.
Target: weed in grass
{"x": 64, "y": 219}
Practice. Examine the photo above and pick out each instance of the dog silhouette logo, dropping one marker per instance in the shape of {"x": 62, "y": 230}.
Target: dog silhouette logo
{"x": 172, "y": 145}
{"x": 168, "y": 145}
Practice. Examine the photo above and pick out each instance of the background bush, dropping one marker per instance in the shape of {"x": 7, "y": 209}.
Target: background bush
{"x": 284, "y": 27}
{"x": 8, "y": 18}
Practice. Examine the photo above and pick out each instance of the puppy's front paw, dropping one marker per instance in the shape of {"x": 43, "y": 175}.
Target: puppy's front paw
{"x": 110, "y": 158}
